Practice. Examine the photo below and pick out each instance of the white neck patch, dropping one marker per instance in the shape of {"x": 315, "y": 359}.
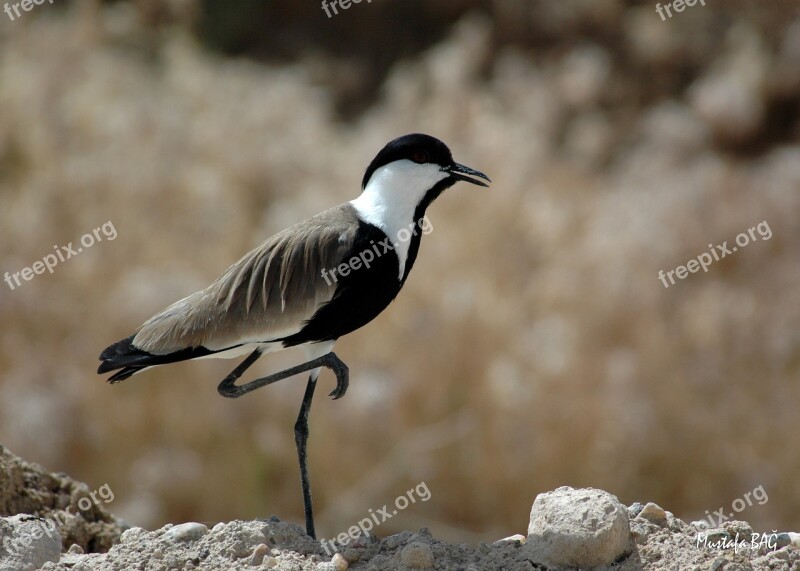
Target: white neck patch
{"x": 392, "y": 195}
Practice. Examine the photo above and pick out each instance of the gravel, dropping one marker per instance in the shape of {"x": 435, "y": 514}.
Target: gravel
{"x": 568, "y": 529}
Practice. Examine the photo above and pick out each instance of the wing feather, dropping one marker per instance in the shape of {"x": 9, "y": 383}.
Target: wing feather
{"x": 269, "y": 294}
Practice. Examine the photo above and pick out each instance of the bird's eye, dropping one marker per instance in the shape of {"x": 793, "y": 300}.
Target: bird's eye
{"x": 420, "y": 157}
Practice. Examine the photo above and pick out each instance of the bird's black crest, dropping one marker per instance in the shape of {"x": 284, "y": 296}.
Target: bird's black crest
{"x": 416, "y": 147}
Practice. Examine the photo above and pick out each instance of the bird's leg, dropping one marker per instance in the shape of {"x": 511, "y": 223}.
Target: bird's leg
{"x": 229, "y": 389}
{"x": 301, "y": 440}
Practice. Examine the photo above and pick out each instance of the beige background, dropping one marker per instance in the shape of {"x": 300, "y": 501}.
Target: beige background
{"x": 533, "y": 346}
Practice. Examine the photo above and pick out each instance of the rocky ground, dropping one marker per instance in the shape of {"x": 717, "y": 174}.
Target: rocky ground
{"x": 568, "y": 529}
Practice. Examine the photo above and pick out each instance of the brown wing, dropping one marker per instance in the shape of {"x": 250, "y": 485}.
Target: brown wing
{"x": 268, "y": 294}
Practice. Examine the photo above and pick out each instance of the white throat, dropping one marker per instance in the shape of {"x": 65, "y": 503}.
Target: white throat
{"x": 391, "y": 197}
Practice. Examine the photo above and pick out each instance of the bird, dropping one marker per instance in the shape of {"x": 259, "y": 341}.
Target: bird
{"x": 306, "y": 286}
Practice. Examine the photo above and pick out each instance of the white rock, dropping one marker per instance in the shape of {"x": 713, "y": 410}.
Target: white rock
{"x": 339, "y": 562}
{"x": 578, "y": 528}
{"x": 186, "y": 532}
{"x": 259, "y": 552}
{"x": 518, "y": 537}
{"x": 132, "y": 534}
{"x": 654, "y": 513}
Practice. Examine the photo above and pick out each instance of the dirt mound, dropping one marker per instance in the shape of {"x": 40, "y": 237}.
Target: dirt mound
{"x": 74, "y": 509}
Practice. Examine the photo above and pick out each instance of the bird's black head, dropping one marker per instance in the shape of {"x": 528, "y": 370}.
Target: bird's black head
{"x": 427, "y": 152}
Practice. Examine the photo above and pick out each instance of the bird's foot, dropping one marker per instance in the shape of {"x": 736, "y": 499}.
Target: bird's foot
{"x": 342, "y": 373}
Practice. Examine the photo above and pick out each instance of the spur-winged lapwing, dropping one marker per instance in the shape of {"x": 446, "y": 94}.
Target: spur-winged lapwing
{"x": 306, "y": 286}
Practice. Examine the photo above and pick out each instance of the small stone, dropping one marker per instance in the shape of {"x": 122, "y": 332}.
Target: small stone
{"x": 75, "y": 549}
{"x": 780, "y": 540}
{"x": 260, "y": 551}
{"x": 518, "y": 537}
{"x": 131, "y": 535}
{"x": 417, "y": 555}
{"x": 795, "y": 539}
{"x": 653, "y": 513}
{"x": 186, "y": 532}
{"x": 270, "y": 562}
{"x": 635, "y": 509}
{"x": 339, "y": 562}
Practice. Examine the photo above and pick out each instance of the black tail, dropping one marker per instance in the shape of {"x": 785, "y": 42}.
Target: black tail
{"x": 126, "y": 356}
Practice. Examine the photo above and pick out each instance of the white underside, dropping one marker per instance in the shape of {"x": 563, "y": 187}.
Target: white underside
{"x": 311, "y": 350}
{"x": 243, "y": 350}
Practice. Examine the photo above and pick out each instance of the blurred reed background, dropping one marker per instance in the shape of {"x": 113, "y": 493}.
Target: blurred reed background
{"x": 533, "y": 346}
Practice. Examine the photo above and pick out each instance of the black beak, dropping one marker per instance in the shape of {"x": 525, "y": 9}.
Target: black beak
{"x": 460, "y": 172}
